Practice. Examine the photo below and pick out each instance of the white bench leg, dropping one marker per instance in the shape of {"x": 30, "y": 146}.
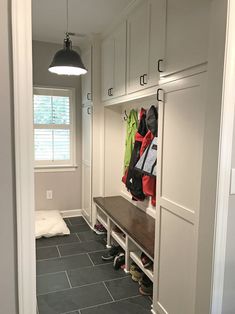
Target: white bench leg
{"x": 108, "y": 234}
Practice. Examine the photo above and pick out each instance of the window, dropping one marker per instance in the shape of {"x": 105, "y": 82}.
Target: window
{"x": 54, "y": 127}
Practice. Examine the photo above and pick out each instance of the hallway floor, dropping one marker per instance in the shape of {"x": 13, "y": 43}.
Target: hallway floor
{"x": 73, "y": 279}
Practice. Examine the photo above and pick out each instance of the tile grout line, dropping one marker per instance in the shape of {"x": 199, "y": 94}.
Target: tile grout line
{"x": 58, "y": 251}
{"x": 54, "y": 273}
{"x": 64, "y": 256}
{"x": 78, "y": 237}
{"x": 90, "y": 259}
{"x": 101, "y": 304}
{"x": 68, "y": 279}
{"x": 108, "y": 291}
{"x": 82, "y": 286}
{"x": 65, "y": 244}
{"x": 61, "y": 271}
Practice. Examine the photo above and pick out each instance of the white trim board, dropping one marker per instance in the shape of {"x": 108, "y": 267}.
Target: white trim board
{"x": 71, "y": 213}
{"x": 23, "y": 95}
{"x": 224, "y": 171}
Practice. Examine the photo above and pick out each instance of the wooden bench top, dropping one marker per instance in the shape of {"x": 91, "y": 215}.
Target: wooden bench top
{"x": 136, "y": 223}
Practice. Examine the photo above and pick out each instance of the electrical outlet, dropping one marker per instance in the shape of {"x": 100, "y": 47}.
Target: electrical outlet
{"x": 49, "y": 195}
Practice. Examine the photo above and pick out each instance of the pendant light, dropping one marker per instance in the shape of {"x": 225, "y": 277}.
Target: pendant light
{"x": 67, "y": 61}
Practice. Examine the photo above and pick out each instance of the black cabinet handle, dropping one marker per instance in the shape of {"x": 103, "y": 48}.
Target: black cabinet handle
{"x": 158, "y": 94}
{"x": 141, "y": 80}
{"x": 159, "y": 65}
{"x": 88, "y": 110}
{"x": 145, "y": 79}
{"x": 111, "y": 92}
{"x": 88, "y": 96}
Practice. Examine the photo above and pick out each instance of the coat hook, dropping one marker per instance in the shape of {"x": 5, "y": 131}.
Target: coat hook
{"x": 125, "y": 116}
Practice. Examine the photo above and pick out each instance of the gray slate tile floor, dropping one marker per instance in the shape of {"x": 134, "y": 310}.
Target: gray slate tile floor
{"x": 73, "y": 279}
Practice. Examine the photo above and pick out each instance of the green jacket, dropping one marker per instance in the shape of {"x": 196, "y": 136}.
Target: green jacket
{"x": 131, "y": 129}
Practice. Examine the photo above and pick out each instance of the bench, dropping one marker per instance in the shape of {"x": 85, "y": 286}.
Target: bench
{"x": 137, "y": 226}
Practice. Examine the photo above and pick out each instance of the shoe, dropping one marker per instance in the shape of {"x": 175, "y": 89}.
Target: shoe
{"x": 146, "y": 287}
{"x": 117, "y": 230}
{"x": 144, "y": 280}
{"x": 146, "y": 291}
{"x": 146, "y": 261}
{"x": 119, "y": 260}
{"x": 136, "y": 273}
{"x": 110, "y": 255}
{"x": 99, "y": 229}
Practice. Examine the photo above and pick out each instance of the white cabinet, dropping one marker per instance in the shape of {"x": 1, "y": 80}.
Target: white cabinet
{"x": 86, "y": 160}
{"x": 86, "y": 79}
{"x": 186, "y": 34}
{"x": 146, "y": 39}
{"x": 181, "y": 143}
{"x": 114, "y": 63}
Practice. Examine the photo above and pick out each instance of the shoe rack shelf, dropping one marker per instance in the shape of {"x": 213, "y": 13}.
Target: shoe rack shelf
{"x": 131, "y": 246}
{"x": 135, "y": 257}
{"x": 119, "y": 239}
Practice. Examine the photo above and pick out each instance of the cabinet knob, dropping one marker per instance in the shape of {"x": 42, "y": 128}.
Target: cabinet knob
{"x": 159, "y": 65}
{"x": 158, "y": 94}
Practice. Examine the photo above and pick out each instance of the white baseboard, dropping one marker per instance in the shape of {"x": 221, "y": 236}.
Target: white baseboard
{"x": 71, "y": 213}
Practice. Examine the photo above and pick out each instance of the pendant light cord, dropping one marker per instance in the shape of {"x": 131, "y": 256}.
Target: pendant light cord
{"x": 67, "y": 26}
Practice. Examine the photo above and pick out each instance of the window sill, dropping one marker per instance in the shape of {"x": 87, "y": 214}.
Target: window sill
{"x": 63, "y": 168}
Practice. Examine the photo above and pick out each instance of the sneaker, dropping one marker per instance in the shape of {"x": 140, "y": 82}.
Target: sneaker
{"x": 117, "y": 230}
{"x": 119, "y": 260}
{"x": 136, "y": 273}
{"x": 145, "y": 280}
{"x": 146, "y": 286}
{"x": 146, "y": 290}
{"x": 110, "y": 255}
{"x": 146, "y": 261}
{"x": 99, "y": 229}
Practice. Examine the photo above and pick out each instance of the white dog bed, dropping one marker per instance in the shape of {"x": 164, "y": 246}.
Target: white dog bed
{"x": 49, "y": 223}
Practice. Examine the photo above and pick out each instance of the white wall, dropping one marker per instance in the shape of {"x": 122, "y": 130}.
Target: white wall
{"x": 229, "y": 279}
{"x": 66, "y": 186}
{"x": 8, "y": 270}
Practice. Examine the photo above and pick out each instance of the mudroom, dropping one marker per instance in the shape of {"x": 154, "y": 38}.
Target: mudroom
{"x": 122, "y": 152}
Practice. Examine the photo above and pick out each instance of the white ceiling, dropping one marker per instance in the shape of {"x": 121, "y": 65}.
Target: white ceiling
{"x": 85, "y": 16}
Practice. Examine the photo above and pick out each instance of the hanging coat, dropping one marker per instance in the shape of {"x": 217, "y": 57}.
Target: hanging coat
{"x": 131, "y": 129}
{"x": 149, "y": 182}
{"x": 132, "y": 177}
{"x": 148, "y": 160}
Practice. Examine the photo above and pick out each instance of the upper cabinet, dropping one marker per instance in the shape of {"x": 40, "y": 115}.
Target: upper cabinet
{"x": 186, "y": 34}
{"x": 146, "y": 43}
{"x": 86, "y": 79}
{"x": 113, "y": 51}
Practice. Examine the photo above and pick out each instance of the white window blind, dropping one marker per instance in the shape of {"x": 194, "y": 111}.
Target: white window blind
{"x": 53, "y": 127}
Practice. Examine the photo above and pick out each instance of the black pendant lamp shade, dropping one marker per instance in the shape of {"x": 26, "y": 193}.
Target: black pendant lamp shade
{"x": 67, "y": 61}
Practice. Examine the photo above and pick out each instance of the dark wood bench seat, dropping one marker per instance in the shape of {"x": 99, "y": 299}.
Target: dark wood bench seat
{"x": 133, "y": 221}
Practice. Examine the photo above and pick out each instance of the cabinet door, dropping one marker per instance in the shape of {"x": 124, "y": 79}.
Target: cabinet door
{"x": 186, "y": 34}
{"x": 138, "y": 41}
{"x": 86, "y": 133}
{"x": 120, "y": 61}
{"x": 157, "y": 14}
{"x": 107, "y": 51}
{"x": 180, "y": 158}
{"x": 86, "y": 79}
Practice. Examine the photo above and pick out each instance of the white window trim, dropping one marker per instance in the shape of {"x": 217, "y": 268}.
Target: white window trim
{"x": 57, "y": 166}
